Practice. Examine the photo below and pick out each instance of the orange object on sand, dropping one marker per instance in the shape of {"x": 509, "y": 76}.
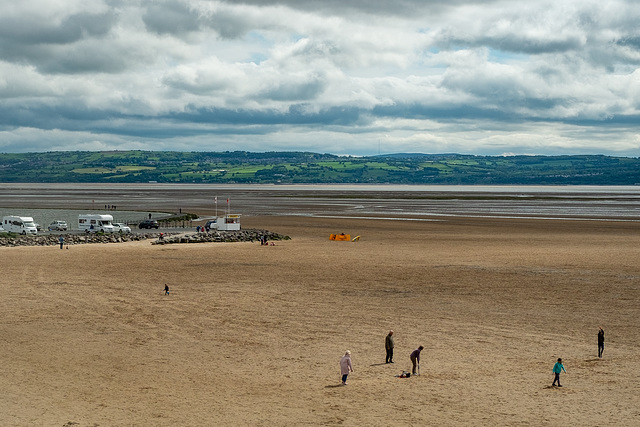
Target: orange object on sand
{"x": 341, "y": 237}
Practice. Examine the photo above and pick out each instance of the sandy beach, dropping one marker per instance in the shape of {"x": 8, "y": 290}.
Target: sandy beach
{"x": 253, "y": 335}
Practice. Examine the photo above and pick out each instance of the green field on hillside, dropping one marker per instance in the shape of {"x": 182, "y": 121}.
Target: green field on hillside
{"x": 302, "y": 167}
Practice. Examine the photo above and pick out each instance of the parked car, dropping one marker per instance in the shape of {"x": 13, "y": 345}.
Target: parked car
{"x": 149, "y": 223}
{"x": 119, "y": 227}
{"x": 58, "y": 226}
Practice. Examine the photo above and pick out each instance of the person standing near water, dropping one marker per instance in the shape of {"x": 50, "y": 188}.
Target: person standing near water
{"x": 600, "y": 342}
{"x": 345, "y": 366}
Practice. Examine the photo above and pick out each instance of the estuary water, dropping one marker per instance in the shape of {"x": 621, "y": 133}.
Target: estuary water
{"x": 422, "y": 202}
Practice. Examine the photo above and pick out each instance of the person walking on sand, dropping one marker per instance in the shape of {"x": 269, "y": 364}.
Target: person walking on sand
{"x": 600, "y": 342}
{"x": 415, "y": 358}
{"x": 388, "y": 345}
{"x": 61, "y": 240}
{"x": 166, "y": 289}
{"x": 557, "y": 368}
{"x": 345, "y": 366}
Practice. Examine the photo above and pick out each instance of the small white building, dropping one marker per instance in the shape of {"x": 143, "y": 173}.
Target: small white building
{"x": 19, "y": 224}
{"x": 229, "y": 222}
{"x": 92, "y": 223}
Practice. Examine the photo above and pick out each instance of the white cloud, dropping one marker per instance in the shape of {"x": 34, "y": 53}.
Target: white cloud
{"x": 334, "y": 76}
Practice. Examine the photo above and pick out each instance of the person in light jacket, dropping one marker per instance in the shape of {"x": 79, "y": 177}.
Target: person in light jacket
{"x": 345, "y": 366}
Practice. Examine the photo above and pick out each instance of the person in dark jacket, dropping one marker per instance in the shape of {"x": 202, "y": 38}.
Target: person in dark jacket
{"x": 415, "y": 358}
{"x": 388, "y": 345}
{"x": 600, "y": 342}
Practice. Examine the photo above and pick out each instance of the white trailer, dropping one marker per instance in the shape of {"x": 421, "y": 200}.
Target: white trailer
{"x": 19, "y": 224}
{"x": 92, "y": 223}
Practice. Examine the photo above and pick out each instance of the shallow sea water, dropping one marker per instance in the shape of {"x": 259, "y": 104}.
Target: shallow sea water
{"x": 46, "y": 202}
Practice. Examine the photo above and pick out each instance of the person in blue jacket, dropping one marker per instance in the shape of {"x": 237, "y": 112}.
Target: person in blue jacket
{"x": 557, "y": 368}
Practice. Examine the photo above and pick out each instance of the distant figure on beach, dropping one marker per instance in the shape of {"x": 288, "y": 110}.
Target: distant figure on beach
{"x": 415, "y": 358}
{"x": 600, "y": 342}
{"x": 345, "y": 366}
{"x": 61, "y": 240}
{"x": 388, "y": 345}
{"x": 557, "y": 368}
{"x": 166, "y": 289}
{"x": 197, "y": 229}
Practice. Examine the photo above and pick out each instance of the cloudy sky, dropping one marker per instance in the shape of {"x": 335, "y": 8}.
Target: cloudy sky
{"x": 357, "y": 77}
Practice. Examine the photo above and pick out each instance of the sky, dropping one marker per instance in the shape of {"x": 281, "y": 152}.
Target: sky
{"x": 346, "y": 77}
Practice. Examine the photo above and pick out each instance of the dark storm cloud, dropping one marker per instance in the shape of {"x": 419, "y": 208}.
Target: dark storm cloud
{"x": 170, "y": 17}
{"x": 67, "y": 46}
{"x": 367, "y": 7}
{"x": 631, "y": 40}
{"x": 297, "y": 114}
{"x": 296, "y": 91}
{"x": 36, "y": 31}
{"x": 179, "y": 19}
{"x": 516, "y": 43}
{"x": 72, "y": 117}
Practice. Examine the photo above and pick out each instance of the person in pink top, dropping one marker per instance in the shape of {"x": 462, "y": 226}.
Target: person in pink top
{"x": 345, "y": 366}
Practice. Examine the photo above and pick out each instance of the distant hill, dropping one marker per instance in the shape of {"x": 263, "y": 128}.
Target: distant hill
{"x": 305, "y": 167}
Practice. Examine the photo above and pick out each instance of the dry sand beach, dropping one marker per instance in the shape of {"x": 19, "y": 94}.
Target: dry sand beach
{"x": 253, "y": 335}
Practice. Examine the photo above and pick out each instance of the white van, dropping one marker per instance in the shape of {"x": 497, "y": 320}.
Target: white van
{"x": 19, "y": 224}
{"x": 92, "y": 223}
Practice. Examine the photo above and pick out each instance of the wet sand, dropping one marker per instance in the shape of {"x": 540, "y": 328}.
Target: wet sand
{"x": 252, "y": 335}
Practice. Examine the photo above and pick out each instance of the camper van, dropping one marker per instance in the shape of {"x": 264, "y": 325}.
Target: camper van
{"x": 19, "y": 224}
{"x": 92, "y": 223}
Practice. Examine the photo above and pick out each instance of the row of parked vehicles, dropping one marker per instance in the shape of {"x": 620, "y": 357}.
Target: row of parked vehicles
{"x": 89, "y": 223}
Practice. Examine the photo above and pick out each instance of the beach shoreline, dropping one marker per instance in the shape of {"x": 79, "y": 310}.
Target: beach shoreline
{"x": 252, "y": 335}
